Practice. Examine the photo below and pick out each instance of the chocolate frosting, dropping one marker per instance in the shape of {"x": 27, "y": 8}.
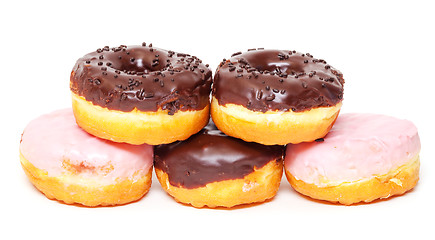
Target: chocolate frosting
{"x": 211, "y": 156}
{"x": 142, "y": 77}
{"x": 263, "y": 80}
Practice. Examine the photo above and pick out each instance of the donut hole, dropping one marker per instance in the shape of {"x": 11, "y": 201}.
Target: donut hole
{"x": 140, "y": 62}
{"x": 280, "y": 68}
{"x": 262, "y": 62}
{"x": 275, "y": 67}
{"x": 140, "y": 65}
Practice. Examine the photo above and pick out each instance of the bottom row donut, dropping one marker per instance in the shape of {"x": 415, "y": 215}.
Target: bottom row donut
{"x": 363, "y": 158}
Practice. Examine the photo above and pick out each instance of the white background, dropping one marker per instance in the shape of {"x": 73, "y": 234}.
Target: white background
{"x": 385, "y": 50}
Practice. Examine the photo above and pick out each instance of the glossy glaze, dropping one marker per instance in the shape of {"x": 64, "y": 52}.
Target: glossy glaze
{"x": 142, "y": 77}
{"x": 211, "y": 156}
{"x": 269, "y": 80}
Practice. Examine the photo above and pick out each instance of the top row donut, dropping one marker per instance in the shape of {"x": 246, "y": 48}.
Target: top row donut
{"x": 142, "y": 94}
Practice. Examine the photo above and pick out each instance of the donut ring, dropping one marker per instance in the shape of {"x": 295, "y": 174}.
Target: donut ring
{"x": 363, "y": 158}
{"x": 214, "y": 170}
{"x": 163, "y": 96}
{"x": 66, "y": 163}
{"x": 276, "y": 97}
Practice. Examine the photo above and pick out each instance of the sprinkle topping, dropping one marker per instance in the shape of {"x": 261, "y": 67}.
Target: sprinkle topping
{"x": 142, "y": 77}
{"x": 277, "y": 80}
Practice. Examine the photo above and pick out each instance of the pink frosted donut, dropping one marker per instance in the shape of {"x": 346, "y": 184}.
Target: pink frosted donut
{"x": 364, "y": 157}
{"x": 66, "y": 163}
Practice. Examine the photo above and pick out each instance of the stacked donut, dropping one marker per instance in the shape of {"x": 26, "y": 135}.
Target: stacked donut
{"x": 271, "y": 110}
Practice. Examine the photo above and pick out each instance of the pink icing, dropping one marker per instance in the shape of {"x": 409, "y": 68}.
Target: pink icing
{"x": 54, "y": 143}
{"x": 358, "y": 146}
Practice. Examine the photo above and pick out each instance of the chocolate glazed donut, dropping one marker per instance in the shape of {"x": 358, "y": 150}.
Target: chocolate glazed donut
{"x": 142, "y": 77}
{"x": 276, "y": 96}
{"x": 140, "y": 94}
{"x": 213, "y": 169}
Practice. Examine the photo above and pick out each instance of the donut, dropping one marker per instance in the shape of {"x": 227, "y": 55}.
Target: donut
{"x": 212, "y": 170}
{"x": 276, "y": 97}
{"x": 140, "y": 94}
{"x": 68, "y": 164}
{"x": 363, "y": 158}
